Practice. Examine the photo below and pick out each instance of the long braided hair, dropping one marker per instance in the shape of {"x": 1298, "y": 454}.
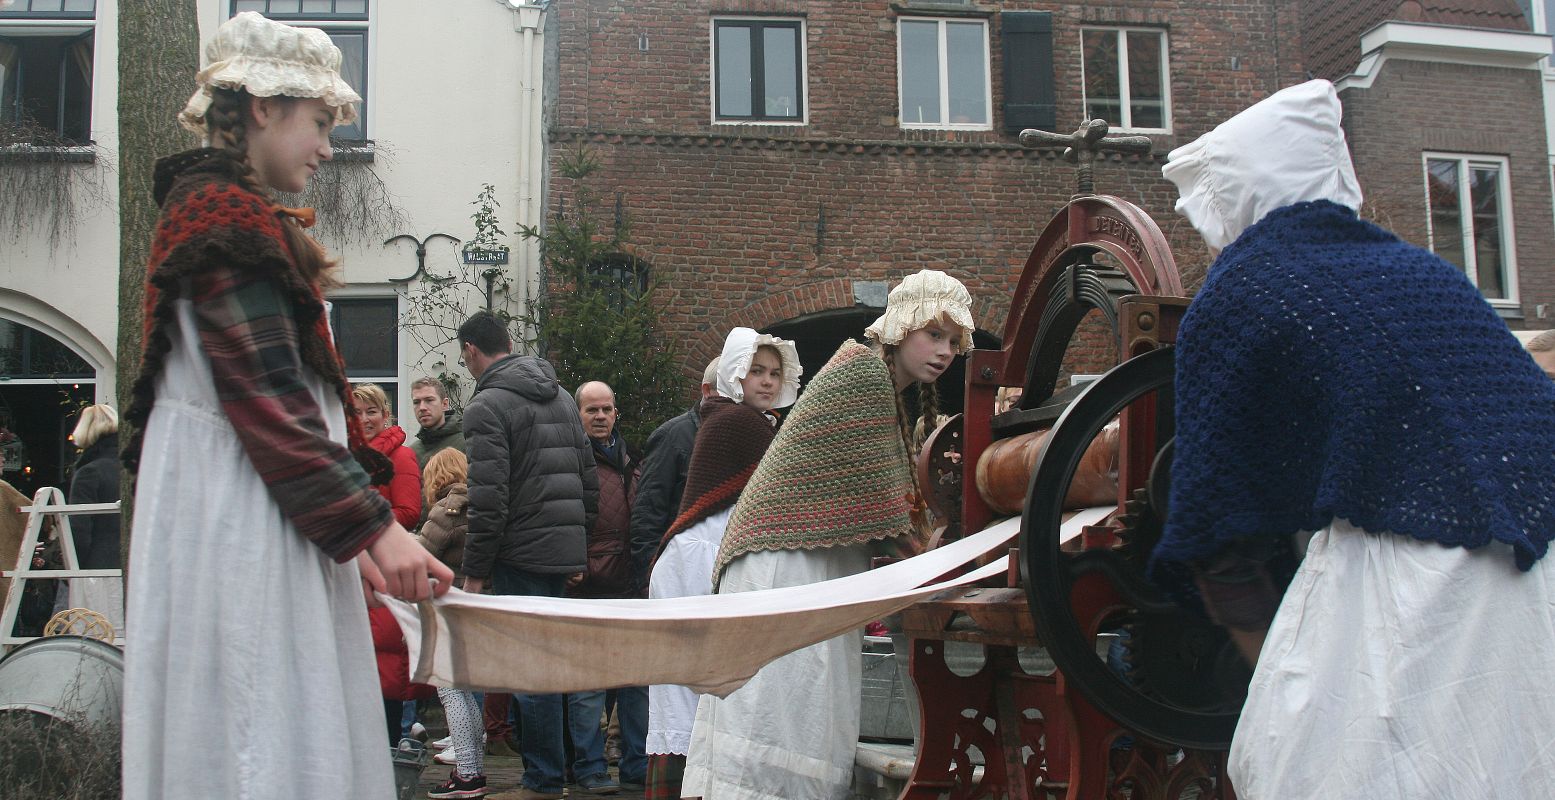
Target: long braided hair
{"x": 928, "y": 401}
{"x": 227, "y": 120}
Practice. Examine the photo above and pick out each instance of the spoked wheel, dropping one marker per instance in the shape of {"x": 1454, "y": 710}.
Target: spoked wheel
{"x": 1174, "y": 676}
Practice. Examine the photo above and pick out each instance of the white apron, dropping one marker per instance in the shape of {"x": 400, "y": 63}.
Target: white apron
{"x": 792, "y": 731}
{"x": 1399, "y": 669}
{"x": 684, "y": 569}
{"x": 249, "y": 669}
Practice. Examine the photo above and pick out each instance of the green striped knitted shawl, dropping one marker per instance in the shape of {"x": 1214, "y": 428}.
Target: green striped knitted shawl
{"x": 836, "y": 474}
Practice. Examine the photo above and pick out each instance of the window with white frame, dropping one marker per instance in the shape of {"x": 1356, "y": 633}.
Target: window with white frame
{"x": 942, "y": 73}
{"x": 1124, "y": 77}
{"x": 46, "y": 51}
{"x": 758, "y": 70}
{"x": 367, "y": 337}
{"x": 345, "y": 21}
{"x": 1470, "y": 219}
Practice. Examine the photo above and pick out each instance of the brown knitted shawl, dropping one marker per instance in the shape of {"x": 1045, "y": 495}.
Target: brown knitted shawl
{"x": 729, "y": 444}
{"x": 837, "y": 473}
{"x": 209, "y": 217}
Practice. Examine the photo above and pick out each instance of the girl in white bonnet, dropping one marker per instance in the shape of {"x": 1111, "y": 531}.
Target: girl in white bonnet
{"x": 249, "y": 667}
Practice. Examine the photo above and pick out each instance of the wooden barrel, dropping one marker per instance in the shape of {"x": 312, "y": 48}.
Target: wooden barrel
{"x": 1004, "y": 472}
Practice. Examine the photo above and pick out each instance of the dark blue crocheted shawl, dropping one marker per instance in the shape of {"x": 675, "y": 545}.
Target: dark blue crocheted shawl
{"x": 1328, "y": 369}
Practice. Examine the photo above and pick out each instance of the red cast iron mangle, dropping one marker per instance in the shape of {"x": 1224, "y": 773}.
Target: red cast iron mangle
{"x": 1154, "y": 723}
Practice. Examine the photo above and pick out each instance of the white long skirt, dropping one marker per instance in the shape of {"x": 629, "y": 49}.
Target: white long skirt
{"x": 684, "y": 569}
{"x": 792, "y": 732}
{"x": 249, "y": 668}
{"x": 1401, "y": 669}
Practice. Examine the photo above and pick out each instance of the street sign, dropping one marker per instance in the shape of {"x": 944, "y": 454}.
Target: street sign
{"x": 475, "y": 255}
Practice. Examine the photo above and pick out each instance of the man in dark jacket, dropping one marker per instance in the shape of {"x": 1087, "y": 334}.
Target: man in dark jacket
{"x": 609, "y": 575}
{"x": 664, "y": 479}
{"x": 533, "y": 497}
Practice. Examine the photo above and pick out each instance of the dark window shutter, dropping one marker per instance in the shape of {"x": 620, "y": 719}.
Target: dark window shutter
{"x": 1028, "y": 70}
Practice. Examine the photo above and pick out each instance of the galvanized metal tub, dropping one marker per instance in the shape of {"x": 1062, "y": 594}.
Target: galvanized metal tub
{"x": 74, "y": 679}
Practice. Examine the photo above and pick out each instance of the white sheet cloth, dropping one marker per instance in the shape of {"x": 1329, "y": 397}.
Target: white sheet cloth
{"x": 684, "y": 569}
{"x": 791, "y": 731}
{"x": 712, "y": 643}
{"x": 1398, "y": 669}
{"x": 249, "y": 671}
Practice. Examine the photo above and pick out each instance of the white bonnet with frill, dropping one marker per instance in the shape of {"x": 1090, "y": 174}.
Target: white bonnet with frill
{"x": 735, "y": 363}
{"x": 919, "y": 299}
{"x": 1287, "y": 148}
{"x": 269, "y": 58}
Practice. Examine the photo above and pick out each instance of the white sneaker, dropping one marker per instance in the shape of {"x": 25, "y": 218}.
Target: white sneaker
{"x": 443, "y": 743}
{"x": 449, "y": 756}
{"x": 418, "y": 731}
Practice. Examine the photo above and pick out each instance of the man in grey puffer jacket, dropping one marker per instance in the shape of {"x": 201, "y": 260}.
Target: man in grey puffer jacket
{"x": 533, "y": 497}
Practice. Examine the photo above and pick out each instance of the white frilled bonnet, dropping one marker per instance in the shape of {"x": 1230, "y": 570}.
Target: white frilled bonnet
{"x": 1288, "y": 148}
{"x": 735, "y": 363}
{"x": 268, "y": 58}
{"x": 919, "y": 299}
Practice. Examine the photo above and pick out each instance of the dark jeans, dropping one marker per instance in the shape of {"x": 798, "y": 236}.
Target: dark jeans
{"x": 540, "y": 715}
{"x": 632, "y": 711}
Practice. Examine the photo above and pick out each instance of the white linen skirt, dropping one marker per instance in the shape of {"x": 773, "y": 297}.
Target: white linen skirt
{"x": 1399, "y": 669}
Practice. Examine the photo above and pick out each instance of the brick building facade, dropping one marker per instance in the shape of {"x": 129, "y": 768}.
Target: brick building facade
{"x": 789, "y": 205}
{"x": 1444, "y": 110}
{"x": 794, "y": 224}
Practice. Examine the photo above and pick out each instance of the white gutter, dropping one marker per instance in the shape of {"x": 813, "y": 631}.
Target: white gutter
{"x": 527, "y": 19}
{"x": 1449, "y": 44}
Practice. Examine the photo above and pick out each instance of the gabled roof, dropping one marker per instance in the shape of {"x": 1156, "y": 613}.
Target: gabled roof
{"x": 1331, "y": 29}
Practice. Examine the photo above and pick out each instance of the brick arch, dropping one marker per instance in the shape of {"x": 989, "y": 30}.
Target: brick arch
{"x": 771, "y": 309}
{"x": 990, "y": 306}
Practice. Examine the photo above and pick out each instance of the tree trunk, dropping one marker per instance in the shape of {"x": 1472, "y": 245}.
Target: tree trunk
{"x": 159, "y": 53}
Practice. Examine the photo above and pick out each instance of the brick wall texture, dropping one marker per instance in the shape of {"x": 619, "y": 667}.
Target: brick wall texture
{"x": 1415, "y": 107}
{"x": 760, "y": 224}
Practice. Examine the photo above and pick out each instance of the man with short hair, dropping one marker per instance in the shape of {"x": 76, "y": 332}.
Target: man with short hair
{"x": 609, "y": 575}
{"x": 441, "y": 427}
{"x": 533, "y": 496}
{"x": 667, "y": 458}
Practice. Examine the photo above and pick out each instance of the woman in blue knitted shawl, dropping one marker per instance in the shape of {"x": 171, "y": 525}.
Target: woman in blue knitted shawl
{"x": 1333, "y": 380}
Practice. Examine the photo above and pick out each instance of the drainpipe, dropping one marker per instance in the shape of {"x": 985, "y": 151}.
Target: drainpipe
{"x": 527, "y": 19}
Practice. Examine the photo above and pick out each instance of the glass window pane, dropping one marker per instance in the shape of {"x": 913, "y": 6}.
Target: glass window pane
{"x": 81, "y": 5}
{"x": 780, "y": 69}
{"x": 10, "y": 349}
{"x": 351, "y": 7}
{"x": 967, "y": 73}
{"x": 284, "y": 6}
{"x": 1485, "y": 193}
{"x": 353, "y": 68}
{"x": 734, "y": 71}
{"x": 1103, "y": 98}
{"x": 920, "y": 72}
{"x": 366, "y": 335}
{"x": 249, "y": 5}
{"x": 318, "y": 6}
{"x": 10, "y": 56}
{"x": 1446, "y": 213}
{"x": 1146, "y": 89}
